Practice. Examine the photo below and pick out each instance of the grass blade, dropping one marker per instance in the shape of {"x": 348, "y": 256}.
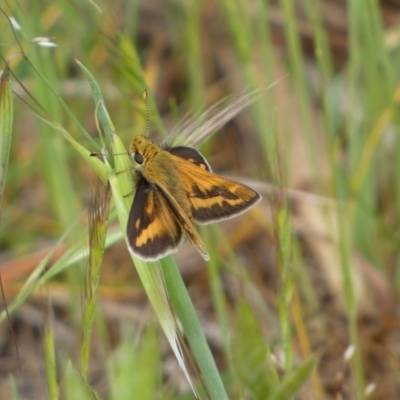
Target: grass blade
{"x": 6, "y": 123}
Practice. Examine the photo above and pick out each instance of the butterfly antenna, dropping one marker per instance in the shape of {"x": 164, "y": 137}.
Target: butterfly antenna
{"x": 99, "y": 154}
{"x": 147, "y": 112}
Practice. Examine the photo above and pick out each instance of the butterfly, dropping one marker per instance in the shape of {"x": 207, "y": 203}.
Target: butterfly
{"x": 176, "y": 189}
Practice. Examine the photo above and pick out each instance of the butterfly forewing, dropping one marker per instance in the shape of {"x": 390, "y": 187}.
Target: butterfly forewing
{"x": 214, "y": 198}
{"x": 153, "y": 231}
{"x": 217, "y": 203}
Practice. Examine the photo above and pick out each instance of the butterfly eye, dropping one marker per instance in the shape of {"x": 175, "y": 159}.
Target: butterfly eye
{"x": 138, "y": 158}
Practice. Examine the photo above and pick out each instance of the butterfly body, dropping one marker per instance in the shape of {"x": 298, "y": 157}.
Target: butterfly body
{"x": 176, "y": 189}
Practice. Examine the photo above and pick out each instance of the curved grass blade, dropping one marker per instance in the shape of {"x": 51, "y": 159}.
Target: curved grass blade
{"x": 105, "y": 120}
{"x": 192, "y": 328}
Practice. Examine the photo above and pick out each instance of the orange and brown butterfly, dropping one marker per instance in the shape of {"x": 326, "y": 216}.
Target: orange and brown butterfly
{"x": 176, "y": 190}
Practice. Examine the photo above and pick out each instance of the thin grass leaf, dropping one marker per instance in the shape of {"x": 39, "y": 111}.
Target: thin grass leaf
{"x": 94, "y": 162}
{"x": 105, "y": 119}
{"x": 52, "y": 152}
{"x": 50, "y": 358}
{"x": 253, "y": 47}
{"x": 6, "y": 123}
{"x": 51, "y": 87}
{"x": 298, "y": 76}
{"x": 190, "y": 23}
{"x": 371, "y": 94}
{"x": 284, "y": 232}
{"x": 371, "y": 144}
{"x": 42, "y": 114}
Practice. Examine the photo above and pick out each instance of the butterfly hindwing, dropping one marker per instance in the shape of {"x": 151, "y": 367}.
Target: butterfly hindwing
{"x": 153, "y": 231}
{"x": 192, "y": 155}
{"x": 185, "y": 220}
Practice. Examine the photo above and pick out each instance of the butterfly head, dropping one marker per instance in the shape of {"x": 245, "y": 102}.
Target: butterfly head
{"x": 140, "y": 149}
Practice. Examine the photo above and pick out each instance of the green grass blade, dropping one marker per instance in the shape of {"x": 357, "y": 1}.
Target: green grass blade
{"x": 6, "y": 123}
{"x": 105, "y": 119}
{"x": 190, "y": 43}
{"x": 53, "y": 158}
{"x": 298, "y": 77}
{"x": 192, "y": 328}
{"x": 50, "y": 358}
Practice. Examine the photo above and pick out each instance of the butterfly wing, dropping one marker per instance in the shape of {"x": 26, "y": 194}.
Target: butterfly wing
{"x": 184, "y": 220}
{"x": 192, "y": 155}
{"x": 213, "y": 198}
{"x": 153, "y": 231}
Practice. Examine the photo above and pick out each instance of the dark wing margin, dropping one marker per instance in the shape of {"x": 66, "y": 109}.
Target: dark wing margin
{"x": 153, "y": 232}
{"x": 192, "y": 155}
